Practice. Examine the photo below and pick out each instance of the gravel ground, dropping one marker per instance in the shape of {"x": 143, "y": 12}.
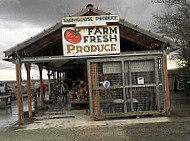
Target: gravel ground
{"x": 178, "y": 130}
{"x": 90, "y": 134}
{"x": 172, "y": 131}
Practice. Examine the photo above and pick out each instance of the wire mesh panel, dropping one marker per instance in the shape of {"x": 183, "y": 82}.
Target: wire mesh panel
{"x": 109, "y": 101}
{"x": 141, "y": 99}
{"x": 106, "y": 71}
{"x": 106, "y": 80}
{"x": 159, "y": 65}
{"x": 127, "y": 86}
{"x": 161, "y": 99}
{"x": 142, "y": 72}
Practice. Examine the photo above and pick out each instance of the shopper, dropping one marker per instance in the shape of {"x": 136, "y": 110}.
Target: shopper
{"x": 37, "y": 88}
{"x": 64, "y": 92}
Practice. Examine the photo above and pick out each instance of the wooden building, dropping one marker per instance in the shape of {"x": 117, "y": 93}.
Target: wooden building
{"x": 177, "y": 79}
{"x": 132, "y": 81}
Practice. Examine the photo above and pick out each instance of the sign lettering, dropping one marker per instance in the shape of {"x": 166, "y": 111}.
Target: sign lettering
{"x": 83, "y": 21}
{"x": 91, "y": 40}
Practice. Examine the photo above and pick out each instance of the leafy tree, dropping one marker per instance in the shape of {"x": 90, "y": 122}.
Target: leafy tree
{"x": 175, "y": 23}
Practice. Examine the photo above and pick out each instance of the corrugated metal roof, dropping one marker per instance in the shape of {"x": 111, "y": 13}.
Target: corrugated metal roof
{"x": 33, "y": 39}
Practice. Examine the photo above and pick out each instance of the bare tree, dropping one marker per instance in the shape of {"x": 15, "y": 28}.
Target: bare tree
{"x": 175, "y": 23}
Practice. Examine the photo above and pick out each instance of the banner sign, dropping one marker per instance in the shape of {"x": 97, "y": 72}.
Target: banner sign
{"x": 83, "y": 21}
{"x": 91, "y": 40}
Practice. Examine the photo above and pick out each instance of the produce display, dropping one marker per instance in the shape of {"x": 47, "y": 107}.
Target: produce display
{"x": 108, "y": 94}
{"x": 78, "y": 93}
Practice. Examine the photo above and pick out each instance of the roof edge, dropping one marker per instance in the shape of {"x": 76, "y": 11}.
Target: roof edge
{"x": 33, "y": 39}
{"x": 149, "y": 33}
{"x": 58, "y": 25}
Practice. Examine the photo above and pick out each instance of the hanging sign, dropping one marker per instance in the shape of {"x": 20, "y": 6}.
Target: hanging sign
{"x": 90, "y": 40}
{"x": 86, "y": 21}
{"x": 140, "y": 80}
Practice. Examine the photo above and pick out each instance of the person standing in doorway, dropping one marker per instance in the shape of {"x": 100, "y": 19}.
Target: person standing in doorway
{"x": 64, "y": 90}
{"x": 37, "y": 88}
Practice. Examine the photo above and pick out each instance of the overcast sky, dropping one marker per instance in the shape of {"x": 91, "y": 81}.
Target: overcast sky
{"x": 21, "y": 19}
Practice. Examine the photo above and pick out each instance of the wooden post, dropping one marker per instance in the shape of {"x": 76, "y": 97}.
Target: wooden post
{"x": 168, "y": 103}
{"x": 28, "y": 68}
{"x": 53, "y": 87}
{"x": 90, "y": 90}
{"x": 19, "y": 94}
{"x": 58, "y": 77}
{"x": 58, "y": 81}
{"x": 49, "y": 84}
{"x": 94, "y": 94}
{"x": 54, "y": 75}
{"x": 41, "y": 84}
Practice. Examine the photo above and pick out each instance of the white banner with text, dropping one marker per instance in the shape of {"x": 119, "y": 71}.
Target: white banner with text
{"x": 91, "y": 40}
{"x": 85, "y": 21}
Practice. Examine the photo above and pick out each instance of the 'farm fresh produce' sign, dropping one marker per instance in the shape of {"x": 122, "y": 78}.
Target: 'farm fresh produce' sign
{"x": 91, "y": 40}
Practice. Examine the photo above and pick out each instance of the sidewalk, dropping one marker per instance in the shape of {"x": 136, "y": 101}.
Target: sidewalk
{"x": 62, "y": 118}
{"x": 78, "y": 118}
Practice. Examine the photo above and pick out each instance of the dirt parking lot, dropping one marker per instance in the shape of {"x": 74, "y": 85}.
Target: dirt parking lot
{"x": 173, "y": 131}
{"x": 177, "y": 130}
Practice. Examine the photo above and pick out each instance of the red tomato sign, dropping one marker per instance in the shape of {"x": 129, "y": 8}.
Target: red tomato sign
{"x": 91, "y": 40}
{"x": 72, "y": 36}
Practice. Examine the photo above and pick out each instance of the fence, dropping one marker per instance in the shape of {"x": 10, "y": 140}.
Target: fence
{"x": 126, "y": 86}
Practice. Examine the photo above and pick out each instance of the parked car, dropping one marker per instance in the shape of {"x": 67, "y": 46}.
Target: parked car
{"x": 2, "y": 88}
{"x": 5, "y": 88}
{"x": 8, "y": 89}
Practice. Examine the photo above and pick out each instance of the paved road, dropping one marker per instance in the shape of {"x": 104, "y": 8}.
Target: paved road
{"x": 9, "y": 116}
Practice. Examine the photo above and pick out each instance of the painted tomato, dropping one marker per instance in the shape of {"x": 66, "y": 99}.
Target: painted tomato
{"x": 72, "y": 36}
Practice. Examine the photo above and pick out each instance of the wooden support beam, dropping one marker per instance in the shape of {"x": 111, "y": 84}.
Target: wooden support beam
{"x": 40, "y": 66}
{"x": 90, "y": 90}
{"x": 94, "y": 93}
{"x": 58, "y": 81}
{"x": 168, "y": 102}
{"x": 44, "y": 43}
{"x": 54, "y": 94}
{"x": 28, "y": 68}
{"x": 49, "y": 83}
{"x": 54, "y": 77}
{"x": 139, "y": 38}
{"x": 19, "y": 94}
{"x": 57, "y": 76}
